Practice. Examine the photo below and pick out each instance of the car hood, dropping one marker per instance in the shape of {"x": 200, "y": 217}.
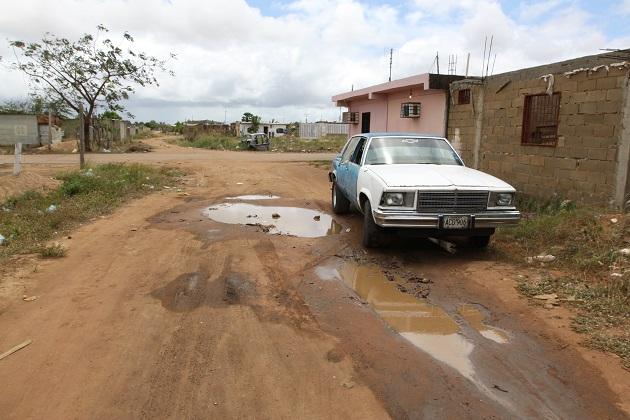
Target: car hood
{"x": 424, "y": 175}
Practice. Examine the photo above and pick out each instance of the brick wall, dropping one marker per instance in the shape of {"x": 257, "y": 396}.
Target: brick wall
{"x": 584, "y": 164}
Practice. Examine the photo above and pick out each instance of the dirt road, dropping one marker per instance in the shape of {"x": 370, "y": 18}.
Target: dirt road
{"x": 161, "y": 311}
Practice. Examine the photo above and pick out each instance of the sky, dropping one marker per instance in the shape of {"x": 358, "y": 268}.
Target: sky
{"x": 284, "y": 59}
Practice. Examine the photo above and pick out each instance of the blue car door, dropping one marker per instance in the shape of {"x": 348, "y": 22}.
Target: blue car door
{"x": 352, "y": 169}
{"x": 343, "y": 166}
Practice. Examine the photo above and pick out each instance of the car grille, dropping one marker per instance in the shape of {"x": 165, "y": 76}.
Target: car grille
{"x": 452, "y": 201}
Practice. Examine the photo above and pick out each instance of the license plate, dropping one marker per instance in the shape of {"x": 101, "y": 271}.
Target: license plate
{"x": 455, "y": 222}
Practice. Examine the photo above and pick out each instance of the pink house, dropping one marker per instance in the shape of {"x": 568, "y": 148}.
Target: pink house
{"x": 417, "y": 104}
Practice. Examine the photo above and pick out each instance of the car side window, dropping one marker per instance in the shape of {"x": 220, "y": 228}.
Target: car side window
{"x": 345, "y": 156}
{"x": 358, "y": 152}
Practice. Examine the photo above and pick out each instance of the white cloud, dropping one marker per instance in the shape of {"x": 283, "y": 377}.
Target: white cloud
{"x": 231, "y": 56}
{"x": 624, "y": 7}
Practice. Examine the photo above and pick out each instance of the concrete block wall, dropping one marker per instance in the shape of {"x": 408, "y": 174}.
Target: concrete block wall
{"x": 585, "y": 165}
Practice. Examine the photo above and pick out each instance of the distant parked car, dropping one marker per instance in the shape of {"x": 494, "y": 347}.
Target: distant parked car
{"x": 418, "y": 185}
{"x": 256, "y": 141}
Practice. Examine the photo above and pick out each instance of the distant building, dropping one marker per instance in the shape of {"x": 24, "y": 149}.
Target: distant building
{"x": 415, "y": 104}
{"x": 275, "y": 129}
{"x": 28, "y": 129}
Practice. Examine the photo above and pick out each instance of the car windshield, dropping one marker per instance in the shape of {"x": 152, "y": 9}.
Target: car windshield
{"x": 410, "y": 150}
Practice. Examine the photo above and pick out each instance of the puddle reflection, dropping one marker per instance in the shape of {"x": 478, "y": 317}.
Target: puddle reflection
{"x": 294, "y": 221}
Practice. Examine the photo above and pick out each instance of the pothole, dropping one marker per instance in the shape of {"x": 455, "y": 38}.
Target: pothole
{"x": 426, "y": 326}
{"x": 293, "y": 221}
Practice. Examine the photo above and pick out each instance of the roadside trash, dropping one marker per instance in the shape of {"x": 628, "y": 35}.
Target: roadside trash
{"x": 565, "y": 204}
{"x": 239, "y": 183}
{"x": 275, "y": 216}
{"x": 543, "y": 258}
{"x": 347, "y": 230}
{"x": 616, "y": 275}
{"x": 106, "y": 151}
{"x": 51, "y": 209}
{"x": 74, "y": 150}
{"x": 613, "y": 220}
{"x": 2, "y": 240}
{"x": 348, "y": 385}
{"x": 14, "y": 349}
{"x": 624, "y": 251}
{"x": 134, "y": 229}
{"x": 29, "y": 298}
{"x": 316, "y": 218}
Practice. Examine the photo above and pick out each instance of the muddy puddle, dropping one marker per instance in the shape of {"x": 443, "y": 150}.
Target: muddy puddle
{"x": 294, "y": 221}
{"x": 253, "y": 197}
{"x": 423, "y": 324}
{"x": 475, "y": 319}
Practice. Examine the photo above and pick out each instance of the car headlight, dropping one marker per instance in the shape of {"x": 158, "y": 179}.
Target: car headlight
{"x": 397, "y": 199}
{"x": 501, "y": 199}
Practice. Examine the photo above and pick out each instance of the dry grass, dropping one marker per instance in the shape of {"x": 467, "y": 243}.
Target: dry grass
{"x": 596, "y": 280}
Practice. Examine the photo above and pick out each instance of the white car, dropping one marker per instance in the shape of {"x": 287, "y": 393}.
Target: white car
{"x": 418, "y": 185}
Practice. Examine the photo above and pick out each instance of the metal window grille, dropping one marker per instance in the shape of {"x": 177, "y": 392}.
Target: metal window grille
{"x": 350, "y": 117}
{"x": 410, "y": 110}
{"x": 463, "y": 97}
{"x": 540, "y": 120}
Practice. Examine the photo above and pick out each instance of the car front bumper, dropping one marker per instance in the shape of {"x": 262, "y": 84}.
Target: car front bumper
{"x": 413, "y": 219}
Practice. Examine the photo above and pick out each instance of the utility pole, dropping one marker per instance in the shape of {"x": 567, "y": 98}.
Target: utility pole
{"x": 437, "y": 61}
{"x": 81, "y": 137}
{"x": 467, "y": 63}
{"x": 391, "y": 52}
{"x": 49, "y": 129}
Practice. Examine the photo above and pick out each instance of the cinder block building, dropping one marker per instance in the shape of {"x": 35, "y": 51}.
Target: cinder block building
{"x": 560, "y": 130}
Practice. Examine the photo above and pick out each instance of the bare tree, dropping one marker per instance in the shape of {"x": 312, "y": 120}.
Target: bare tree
{"x": 89, "y": 71}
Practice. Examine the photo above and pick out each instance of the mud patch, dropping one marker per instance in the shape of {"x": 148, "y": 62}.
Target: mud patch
{"x": 237, "y": 289}
{"x": 294, "y": 221}
{"x": 334, "y": 356}
{"x": 184, "y": 294}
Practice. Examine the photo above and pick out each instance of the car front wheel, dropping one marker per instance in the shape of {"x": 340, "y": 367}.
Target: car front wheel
{"x": 340, "y": 204}
{"x": 371, "y": 231}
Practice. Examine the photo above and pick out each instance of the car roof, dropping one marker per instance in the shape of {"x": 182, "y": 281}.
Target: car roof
{"x": 399, "y": 134}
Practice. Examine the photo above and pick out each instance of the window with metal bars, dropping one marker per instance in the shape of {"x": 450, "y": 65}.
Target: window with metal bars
{"x": 540, "y": 120}
{"x": 463, "y": 97}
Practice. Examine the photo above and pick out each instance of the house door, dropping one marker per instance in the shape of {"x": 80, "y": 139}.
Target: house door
{"x": 365, "y": 122}
{"x": 266, "y": 130}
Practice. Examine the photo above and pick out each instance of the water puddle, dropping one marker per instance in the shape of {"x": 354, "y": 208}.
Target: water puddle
{"x": 253, "y": 197}
{"x": 426, "y": 326}
{"x": 475, "y": 318}
{"x": 293, "y": 221}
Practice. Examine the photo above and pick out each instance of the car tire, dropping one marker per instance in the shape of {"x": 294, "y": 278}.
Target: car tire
{"x": 371, "y": 231}
{"x": 480, "y": 241}
{"x": 340, "y": 204}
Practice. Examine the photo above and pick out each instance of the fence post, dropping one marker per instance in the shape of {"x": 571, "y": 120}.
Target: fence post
{"x": 50, "y": 138}
{"x": 17, "y": 165}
